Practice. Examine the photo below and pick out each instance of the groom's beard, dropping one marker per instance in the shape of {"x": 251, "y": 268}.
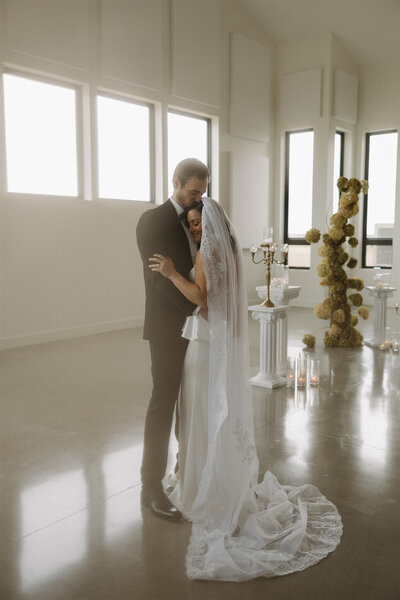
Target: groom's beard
{"x": 185, "y": 202}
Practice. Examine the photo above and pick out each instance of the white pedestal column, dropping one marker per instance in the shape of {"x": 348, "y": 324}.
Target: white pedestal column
{"x": 281, "y": 344}
{"x": 268, "y": 318}
{"x": 380, "y": 296}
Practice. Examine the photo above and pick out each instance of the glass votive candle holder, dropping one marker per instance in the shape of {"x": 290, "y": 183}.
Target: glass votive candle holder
{"x": 290, "y": 371}
{"x": 386, "y": 342}
{"x": 301, "y": 372}
{"x": 314, "y": 372}
{"x": 396, "y": 341}
{"x": 285, "y": 277}
{"x": 385, "y": 278}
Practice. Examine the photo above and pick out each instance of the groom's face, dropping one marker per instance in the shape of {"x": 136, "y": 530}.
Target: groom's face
{"x": 191, "y": 192}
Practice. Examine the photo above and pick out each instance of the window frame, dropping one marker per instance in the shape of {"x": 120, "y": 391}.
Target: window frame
{"x": 366, "y": 241}
{"x": 50, "y": 80}
{"x": 152, "y": 150}
{"x": 341, "y": 159}
{"x": 185, "y": 113}
{"x": 286, "y": 239}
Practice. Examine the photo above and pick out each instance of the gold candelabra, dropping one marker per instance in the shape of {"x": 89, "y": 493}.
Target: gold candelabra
{"x": 269, "y": 258}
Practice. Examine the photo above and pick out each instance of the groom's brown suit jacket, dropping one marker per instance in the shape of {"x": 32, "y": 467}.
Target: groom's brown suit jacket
{"x": 160, "y": 230}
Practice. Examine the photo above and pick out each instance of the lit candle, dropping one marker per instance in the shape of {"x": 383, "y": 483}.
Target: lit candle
{"x": 396, "y": 346}
{"x": 290, "y": 379}
{"x": 314, "y": 380}
{"x": 301, "y": 380}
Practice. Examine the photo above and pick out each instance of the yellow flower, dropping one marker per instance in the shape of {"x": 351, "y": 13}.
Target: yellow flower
{"x": 363, "y": 311}
{"x": 349, "y": 229}
{"x": 354, "y": 320}
{"x": 337, "y": 220}
{"x": 309, "y": 340}
{"x": 354, "y": 185}
{"x": 356, "y": 299}
{"x": 342, "y": 184}
{"x": 338, "y": 316}
{"x": 330, "y": 340}
{"x": 352, "y": 263}
{"x": 335, "y": 330}
{"x": 364, "y": 186}
{"x": 313, "y": 235}
{"x": 356, "y": 283}
{"x": 338, "y": 288}
{"x": 336, "y": 234}
{"x": 353, "y": 242}
{"x": 323, "y": 268}
{"x": 322, "y": 311}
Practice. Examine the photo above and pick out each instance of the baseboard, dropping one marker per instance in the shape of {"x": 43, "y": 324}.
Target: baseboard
{"x": 41, "y": 337}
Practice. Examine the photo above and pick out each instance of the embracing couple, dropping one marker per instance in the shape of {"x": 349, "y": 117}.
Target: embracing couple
{"x": 196, "y": 323}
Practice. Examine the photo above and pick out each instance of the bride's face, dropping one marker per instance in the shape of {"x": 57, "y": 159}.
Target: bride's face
{"x": 194, "y": 220}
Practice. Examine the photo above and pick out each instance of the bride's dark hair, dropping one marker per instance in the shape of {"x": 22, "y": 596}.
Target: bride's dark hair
{"x": 199, "y": 207}
{"x": 195, "y": 206}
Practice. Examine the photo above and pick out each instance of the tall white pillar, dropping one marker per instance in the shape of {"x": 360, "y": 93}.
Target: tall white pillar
{"x": 268, "y": 319}
{"x": 281, "y": 344}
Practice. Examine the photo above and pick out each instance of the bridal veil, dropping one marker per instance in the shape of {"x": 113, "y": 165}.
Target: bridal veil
{"x": 242, "y": 529}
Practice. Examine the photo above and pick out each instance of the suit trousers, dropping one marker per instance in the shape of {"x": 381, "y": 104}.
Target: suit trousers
{"x": 166, "y": 368}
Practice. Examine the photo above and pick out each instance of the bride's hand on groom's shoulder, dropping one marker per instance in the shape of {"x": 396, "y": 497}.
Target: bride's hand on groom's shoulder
{"x": 162, "y": 264}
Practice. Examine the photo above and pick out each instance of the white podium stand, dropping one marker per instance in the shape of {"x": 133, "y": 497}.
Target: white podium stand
{"x": 280, "y": 297}
{"x": 380, "y": 296}
{"x": 270, "y": 344}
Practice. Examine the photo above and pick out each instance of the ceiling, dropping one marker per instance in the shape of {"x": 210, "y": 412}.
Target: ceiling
{"x": 368, "y": 29}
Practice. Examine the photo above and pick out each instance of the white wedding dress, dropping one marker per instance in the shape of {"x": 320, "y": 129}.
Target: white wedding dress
{"x": 241, "y": 529}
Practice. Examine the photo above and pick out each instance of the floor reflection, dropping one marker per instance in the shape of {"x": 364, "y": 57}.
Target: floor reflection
{"x": 72, "y": 525}
{"x": 53, "y": 549}
{"x": 52, "y": 500}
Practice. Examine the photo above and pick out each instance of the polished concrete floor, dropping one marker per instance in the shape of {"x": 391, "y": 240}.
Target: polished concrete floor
{"x": 72, "y": 528}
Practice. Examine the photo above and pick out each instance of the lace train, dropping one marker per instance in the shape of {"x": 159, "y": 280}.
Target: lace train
{"x": 282, "y": 529}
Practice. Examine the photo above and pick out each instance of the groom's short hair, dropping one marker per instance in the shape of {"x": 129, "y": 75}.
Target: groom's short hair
{"x": 191, "y": 167}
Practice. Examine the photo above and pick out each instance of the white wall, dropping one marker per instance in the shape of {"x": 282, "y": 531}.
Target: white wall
{"x": 305, "y": 99}
{"x": 353, "y": 100}
{"x": 379, "y": 110}
{"x": 70, "y": 266}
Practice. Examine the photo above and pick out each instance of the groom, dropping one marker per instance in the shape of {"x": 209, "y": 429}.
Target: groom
{"x": 160, "y": 230}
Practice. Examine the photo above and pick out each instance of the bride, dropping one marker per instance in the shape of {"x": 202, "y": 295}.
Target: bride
{"x": 241, "y": 529}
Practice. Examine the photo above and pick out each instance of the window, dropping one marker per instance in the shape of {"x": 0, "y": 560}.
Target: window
{"x": 298, "y": 195}
{"x": 41, "y": 136}
{"x": 379, "y": 203}
{"x": 338, "y": 166}
{"x": 124, "y": 149}
{"x": 188, "y": 137}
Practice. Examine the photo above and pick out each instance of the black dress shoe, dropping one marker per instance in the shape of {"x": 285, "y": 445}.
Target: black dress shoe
{"x": 160, "y": 506}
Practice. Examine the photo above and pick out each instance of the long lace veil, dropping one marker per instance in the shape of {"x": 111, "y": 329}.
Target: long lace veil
{"x": 232, "y": 463}
{"x": 241, "y": 529}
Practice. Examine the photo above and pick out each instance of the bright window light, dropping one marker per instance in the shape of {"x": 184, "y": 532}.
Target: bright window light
{"x": 123, "y": 149}
{"x": 382, "y": 161}
{"x": 301, "y": 154}
{"x": 187, "y": 138}
{"x": 40, "y": 128}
